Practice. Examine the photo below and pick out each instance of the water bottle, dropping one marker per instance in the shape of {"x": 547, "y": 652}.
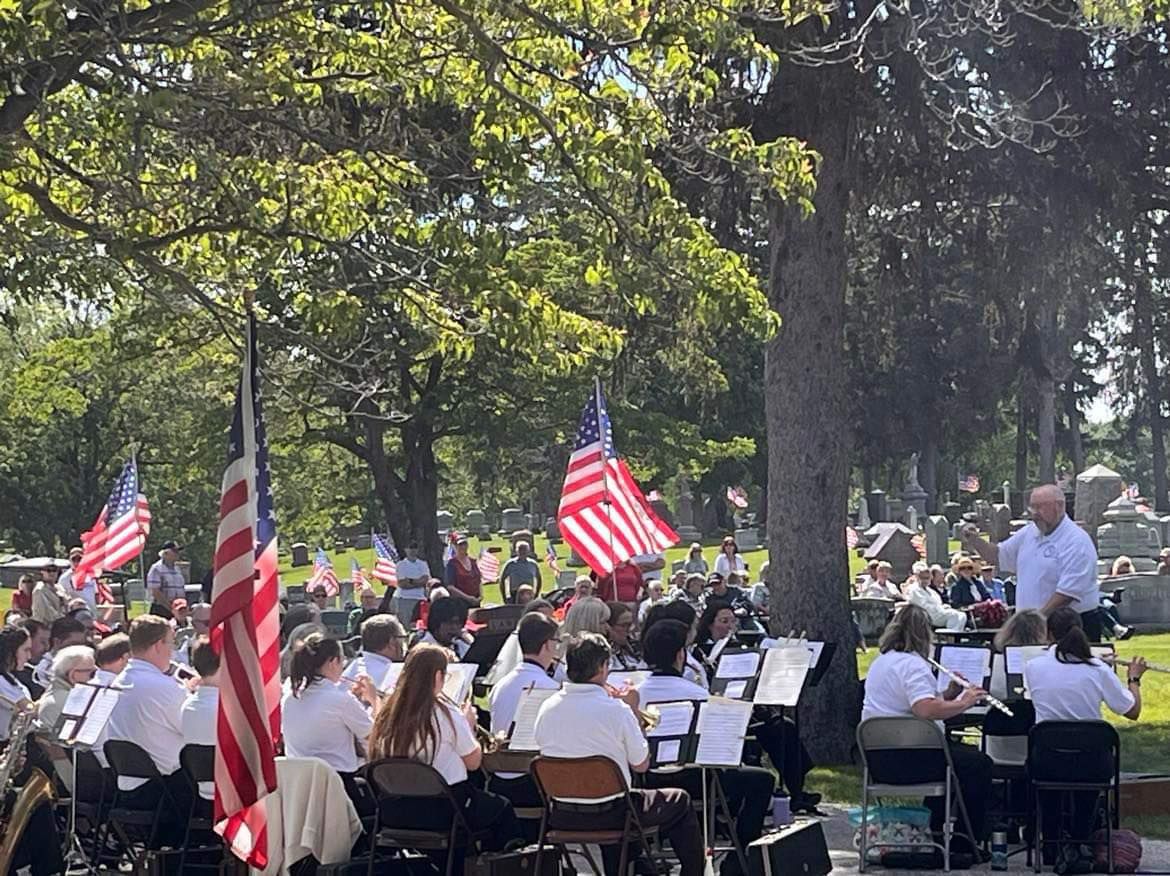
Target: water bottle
{"x": 999, "y": 850}
{"x": 781, "y": 812}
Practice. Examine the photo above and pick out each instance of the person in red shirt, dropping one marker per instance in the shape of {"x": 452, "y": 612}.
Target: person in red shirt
{"x": 624, "y": 585}
{"x": 463, "y": 579}
{"x": 22, "y": 598}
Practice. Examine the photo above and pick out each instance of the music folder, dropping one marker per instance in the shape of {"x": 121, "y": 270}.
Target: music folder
{"x": 86, "y": 711}
{"x": 673, "y": 741}
{"x": 782, "y": 677}
{"x": 736, "y": 673}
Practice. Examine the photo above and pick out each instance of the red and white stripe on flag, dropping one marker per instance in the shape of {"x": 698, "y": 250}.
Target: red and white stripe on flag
{"x": 489, "y": 566}
{"x": 919, "y": 544}
{"x": 851, "y": 537}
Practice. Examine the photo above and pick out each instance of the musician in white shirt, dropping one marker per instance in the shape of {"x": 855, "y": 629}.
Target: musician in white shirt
{"x": 445, "y": 623}
{"x": 111, "y": 655}
{"x": 200, "y": 712}
{"x": 325, "y": 717}
{"x": 585, "y": 719}
{"x": 383, "y": 644}
{"x": 900, "y": 683}
{"x": 684, "y": 612}
{"x": 419, "y": 723}
{"x": 148, "y": 714}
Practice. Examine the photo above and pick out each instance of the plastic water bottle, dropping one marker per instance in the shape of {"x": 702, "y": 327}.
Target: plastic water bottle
{"x": 999, "y": 850}
{"x": 781, "y": 812}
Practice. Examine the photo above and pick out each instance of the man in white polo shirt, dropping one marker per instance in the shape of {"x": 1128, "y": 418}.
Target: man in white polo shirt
{"x": 1054, "y": 560}
{"x": 583, "y": 720}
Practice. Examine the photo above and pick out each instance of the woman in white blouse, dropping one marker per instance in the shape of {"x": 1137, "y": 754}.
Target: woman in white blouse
{"x": 729, "y": 559}
{"x": 15, "y": 651}
{"x": 324, "y": 717}
{"x": 418, "y": 722}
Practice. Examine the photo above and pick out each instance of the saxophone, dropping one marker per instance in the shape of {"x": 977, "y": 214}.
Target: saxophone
{"x": 36, "y": 790}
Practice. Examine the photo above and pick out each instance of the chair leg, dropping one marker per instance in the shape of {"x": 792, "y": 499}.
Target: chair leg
{"x": 948, "y": 827}
{"x": 864, "y": 820}
{"x": 1037, "y": 829}
{"x": 589, "y": 857}
{"x": 623, "y": 857}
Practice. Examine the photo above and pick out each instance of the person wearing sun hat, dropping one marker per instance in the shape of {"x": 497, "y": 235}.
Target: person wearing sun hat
{"x": 164, "y": 581}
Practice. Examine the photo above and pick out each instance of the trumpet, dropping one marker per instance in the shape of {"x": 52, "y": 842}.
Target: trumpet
{"x": 962, "y": 682}
{"x": 648, "y": 717}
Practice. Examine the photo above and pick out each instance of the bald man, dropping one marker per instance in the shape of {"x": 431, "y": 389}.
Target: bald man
{"x": 1054, "y": 560}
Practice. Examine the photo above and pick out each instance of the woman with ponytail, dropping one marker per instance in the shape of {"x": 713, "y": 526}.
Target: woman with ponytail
{"x": 420, "y": 723}
{"x": 1067, "y": 683}
{"x": 324, "y": 717}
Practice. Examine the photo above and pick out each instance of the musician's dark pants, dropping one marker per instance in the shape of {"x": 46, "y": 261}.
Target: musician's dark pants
{"x": 1047, "y": 764}
{"x": 1091, "y": 621}
{"x": 779, "y": 738}
{"x": 749, "y": 794}
{"x": 172, "y": 818}
{"x": 973, "y": 768}
{"x": 521, "y": 792}
{"x": 39, "y": 847}
{"x": 669, "y": 809}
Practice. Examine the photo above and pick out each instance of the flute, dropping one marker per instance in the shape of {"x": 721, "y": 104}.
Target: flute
{"x": 962, "y": 682}
{"x": 1152, "y": 667}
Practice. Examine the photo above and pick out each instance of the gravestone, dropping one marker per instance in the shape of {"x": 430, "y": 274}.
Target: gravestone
{"x": 747, "y": 539}
{"x": 532, "y": 522}
{"x": 663, "y": 512}
{"x": 566, "y": 579}
{"x": 894, "y": 509}
{"x": 1001, "y": 522}
{"x": 913, "y": 495}
{"x": 864, "y": 521}
{"x": 511, "y": 520}
{"x": 300, "y": 554}
{"x": 345, "y": 591}
{"x": 444, "y": 522}
{"x": 957, "y": 530}
{"x": 1147, "y": 599}
{"x": 935, "y": 534}
{"x": 575, "y": 559}
{"x": 1097, "y": 486}
{"x": 686, "y": 529}
{"x": 552, "y": 531}
{"x": 1127, "y": 532}
{"x": 982, "y": 509}
{"x": 523, "y": 535}
{"x": 872, "y": 615}
{"x": 910, "y": 518}
{"x": 711, "y": 508}
{"x": 953, "y": 511}
{"x": 477, "y": 524}
{"x": 878, "y": 512}
{"x": 891, "y": 542}
{"x": 1006, "y": 491}
{"x": 363, "y": 541}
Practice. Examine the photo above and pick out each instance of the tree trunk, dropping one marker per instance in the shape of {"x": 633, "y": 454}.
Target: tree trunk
{"x": 386, "y": 482}
{"x": 422, "y": 491}
{"x": 1046, "y": 427}
{"x": 807, "y": 416}
{"x": 1021, "y": 441}
{"x": 1076, "y": 442}
{"x": 928, "y": 474}
{"x": 1143, "y": 328}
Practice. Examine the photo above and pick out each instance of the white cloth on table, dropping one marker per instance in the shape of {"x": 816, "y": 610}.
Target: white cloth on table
{"x": 309, "y": 813}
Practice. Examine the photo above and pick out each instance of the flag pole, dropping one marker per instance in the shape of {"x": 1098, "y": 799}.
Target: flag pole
{"x": 141, "y": 551}
{"x": 605, "y": 481}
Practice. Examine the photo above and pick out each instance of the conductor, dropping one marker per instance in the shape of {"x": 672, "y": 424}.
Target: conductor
{"x": 1053, "y": 558}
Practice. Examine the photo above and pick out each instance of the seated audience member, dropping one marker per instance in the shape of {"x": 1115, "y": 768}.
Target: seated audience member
{"x": 692, "y": 592}
{"x": 322, "y": 716}
{"x": 583, "y": 720}
{"x": 147, "y": 714}
{"x": 524, "y": 594}
{"x": 994, "y": 586}
{"x": 748, "y": 789}
{"x": 921, "y": 592}
{"x": 22, "y": 596}
{"x": 383, "y": 643}
{"x": 1109, "y": 618}
{"x": 758, "y": 593}
{"x": 880, "y": 586}
{"x": 319, "y": 597}
{"x": 369, "y": 604}
{"x": 445, "y": 626}
{"x": 938, "y": 580}
{"x": 518, "y": 570}
{"x": 655, "y": 593}
{"x": 684, "y": 613}
{"x": 582, "y": 588}
{"x": 1067, "y": 683}
{"x": 724, "y": 588}
{"x": 38, "y": 645}
{"x": 617, "y": 631}
{"x": 866, "y": 578}
{"x": 695, "y": 564}
{"x": 48, "y": 599}
{"x": 462, "y": 576}
{"x": 199, "y": 713}
{"x": 967, "y": 589}
{"x": 901, "y": 683}
{"x": 417, "y": 723}
{"x": 111, "y": 655}
{"x": 537, "y": 637}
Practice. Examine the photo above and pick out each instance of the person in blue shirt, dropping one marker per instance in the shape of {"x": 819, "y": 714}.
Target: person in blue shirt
{"x": 993, "y": 585}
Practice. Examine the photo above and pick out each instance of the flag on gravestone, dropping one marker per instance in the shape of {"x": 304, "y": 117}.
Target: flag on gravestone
{"x": 919, "y": 544}
{"x": 385, "y": 561}
{"x": 603, "y": 514}
{"x": 737, "y": 496}
{"x": 969, "y": 483}
{"x": 323, "y": 574}
{"x": 117, "y": 536}
{"x": 489, "y": 566}
{"x": 245, "y": 630}
{"x": 551, "y": 560}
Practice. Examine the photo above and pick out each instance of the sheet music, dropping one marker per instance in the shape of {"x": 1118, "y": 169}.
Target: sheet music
{"x": 736, "y": 689}
{"x": 782, "y": 678}
{"x": 974, "y": 664}
{"x": 390, "y": 680}
{"x": 523, "y": 737}
{"x": 99, "y": 713}
{"x": 78, "y": 700}
{"x": 668, "y": 751}
{"x": 675, "y": 719}
{"x": 745, "y": 664}
{"x": 67, "y": 728}
{"x": 814, "y": 649}
{"x": 722, "y": 727}
{"x": 1019, "y": 655}
{"x": 457, "y": 685}
{"x": 632, "y": 677}
{"x": 717, "y": 648}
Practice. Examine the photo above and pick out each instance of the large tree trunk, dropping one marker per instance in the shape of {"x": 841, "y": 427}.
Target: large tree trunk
{"x": 1021, "y": 441}
{"x": 807, "y": 416}
{"x": 928, "y": 474}
{"x": 422, "y": 491}
{"x": 1143, "y": 328}
{"x": 1046, "y": 427}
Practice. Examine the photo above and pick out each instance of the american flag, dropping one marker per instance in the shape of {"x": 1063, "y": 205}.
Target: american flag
{"x": 603, "y": 513}
{"x": 117, "y": 536}
{"x": 356, "y": 575}
{"x": 385, "y": 561}
{"x": 323, "y": 574}
{"x": 449, "y": 552}
{"x": 737, "y": 496}
{"x": 851, "y": 537}
{"x": 919, "y": 544}
{"x": 1133, "y": 491}
{"x": 245, "y": 628}
{"x": 551, "y": 559}
{"x": 489, "y": 566}
{"x": 969, "y": 483}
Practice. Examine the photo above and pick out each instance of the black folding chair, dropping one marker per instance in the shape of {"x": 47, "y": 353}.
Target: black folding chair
{"x": 1058, "y": 751}
{"x": 1010, "y": 772}
{"x": 129, "y": 761}
{"x": 198, "y": 765}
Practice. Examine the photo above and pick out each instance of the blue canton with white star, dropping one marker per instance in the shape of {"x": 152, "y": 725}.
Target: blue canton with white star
{"x": 124, "y": 496}
{"x": 595, "y": 425}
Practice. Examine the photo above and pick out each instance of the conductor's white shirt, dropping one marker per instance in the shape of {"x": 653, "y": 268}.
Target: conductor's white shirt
{"x": 895, "y": 682}
{"x": 149, "y": 715}
{"x": 1064, "y": 562}
{"x": 583, "y": 720}
{"x": 325, "y": 720}
{"x": 1073, "y": 691}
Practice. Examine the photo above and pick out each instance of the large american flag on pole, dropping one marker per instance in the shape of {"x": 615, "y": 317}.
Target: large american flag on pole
{"x": 603, "y": 513}
{"x": 385, "y": 561}
{"x": 119, "y": 533}
{"x": 245, "y": 628}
